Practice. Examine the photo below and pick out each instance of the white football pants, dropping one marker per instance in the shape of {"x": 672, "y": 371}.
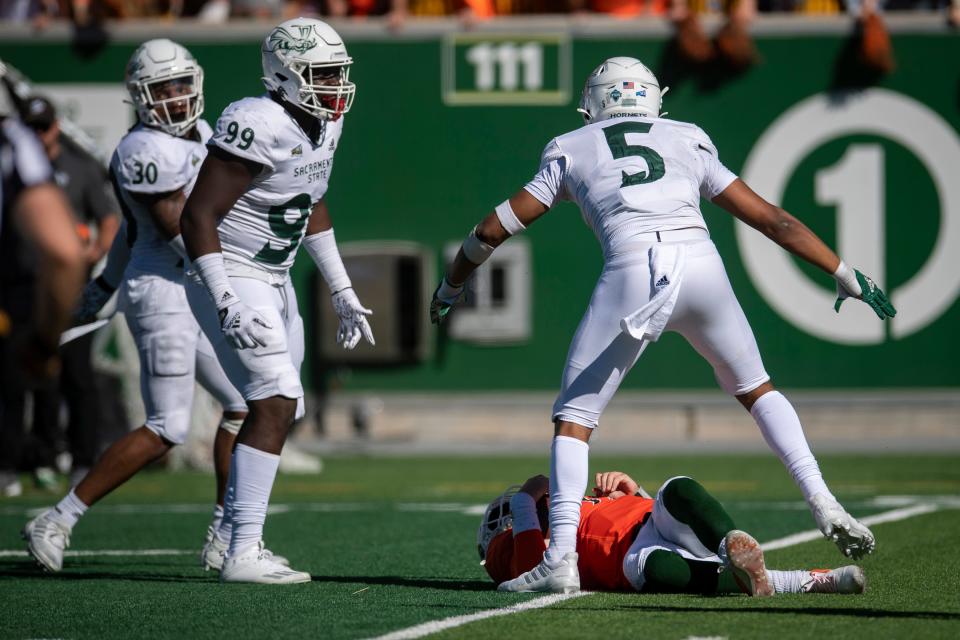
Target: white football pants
{"x": 263, "y": 372}
{"x": 707, "y": 314}
{"x": 173, "y": 354}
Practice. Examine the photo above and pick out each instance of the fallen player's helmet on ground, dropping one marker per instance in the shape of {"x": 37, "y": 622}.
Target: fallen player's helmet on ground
{"x": 496, "y": 519}
{"x": 306, "y": 63}
{"x": 620, "y": 87}
{"x": 165, "y": 85}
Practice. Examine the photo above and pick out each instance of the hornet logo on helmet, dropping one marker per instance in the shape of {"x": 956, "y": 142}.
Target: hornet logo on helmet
{"x": 283, "y": 40}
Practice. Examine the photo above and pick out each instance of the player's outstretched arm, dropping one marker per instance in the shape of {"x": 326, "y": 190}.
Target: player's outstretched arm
{"x": 322, "y": 247}
{"x": 223, "y": 178}
{"x": 509, "y": 218}
{"x": 794, "y": 236}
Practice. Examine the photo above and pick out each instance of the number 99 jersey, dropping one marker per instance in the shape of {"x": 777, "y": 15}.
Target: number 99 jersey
{"x": 265, "y": 226}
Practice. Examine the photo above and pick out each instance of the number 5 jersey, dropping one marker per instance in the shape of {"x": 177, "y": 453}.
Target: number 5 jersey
{"x": 267, "y": 223}
{"x": 632, "y": 176}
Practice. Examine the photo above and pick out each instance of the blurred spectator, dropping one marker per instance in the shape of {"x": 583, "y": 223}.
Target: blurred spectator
{"x": 733, "y": 42}
{"x": 35, "y": 225}
{"x": 623, "y": 8}
{"x": 96, "y": 217}
{"x": 28, "y": 10}
{"x": 875, "y": 49}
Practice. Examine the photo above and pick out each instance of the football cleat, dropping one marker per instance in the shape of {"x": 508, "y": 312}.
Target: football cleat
{"x": 745, "y": 557}
{"x": 214, "y": 551}
{"x": 46, "y": 539}
{"x": 852, "y": 538}
{"x": 848, "y": 579}
{"x": 252, "y": 565}
{"x": 564, "y": 578}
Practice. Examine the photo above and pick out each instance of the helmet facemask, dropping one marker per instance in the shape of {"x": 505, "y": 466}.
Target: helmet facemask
{"x": 496, "y": 519}
{"x": 306, "y": 64}
{"x": 166, "y": 86}
{"x": 325, "y": 88}
{"x": 171, "y": 103}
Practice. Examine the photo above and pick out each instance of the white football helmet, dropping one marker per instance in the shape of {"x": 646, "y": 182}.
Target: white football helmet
{"x": 496, "y": 519}
{"x": 620, "y": 87}
{"x": 166, "y": 86}
{"x": 306, "y": 63}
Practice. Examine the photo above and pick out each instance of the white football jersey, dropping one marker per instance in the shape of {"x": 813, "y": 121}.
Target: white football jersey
{"x": 149, "y": 161}
{"x": 264, "y": 228}
{"x": 631, "y": 176}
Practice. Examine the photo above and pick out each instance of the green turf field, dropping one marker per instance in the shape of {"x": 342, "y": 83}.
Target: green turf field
{"x": 390, "y": 544}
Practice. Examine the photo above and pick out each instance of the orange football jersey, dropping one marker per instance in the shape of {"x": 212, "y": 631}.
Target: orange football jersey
{"x": 607, "y": 529}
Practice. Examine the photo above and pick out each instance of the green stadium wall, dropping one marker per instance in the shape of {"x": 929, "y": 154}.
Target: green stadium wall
{"x": 414, "y": 167}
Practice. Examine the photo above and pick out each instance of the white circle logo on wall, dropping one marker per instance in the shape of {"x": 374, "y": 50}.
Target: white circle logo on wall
{"x": 855, "y": 185}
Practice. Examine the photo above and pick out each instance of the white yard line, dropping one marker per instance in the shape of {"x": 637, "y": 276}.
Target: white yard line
{"x": 879, "y": 518}
{"x": 434, "y": 626}
{"x": 428, "y": 628}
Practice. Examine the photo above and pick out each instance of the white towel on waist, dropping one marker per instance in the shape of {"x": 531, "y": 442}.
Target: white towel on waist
{"x": 666, "y": 266}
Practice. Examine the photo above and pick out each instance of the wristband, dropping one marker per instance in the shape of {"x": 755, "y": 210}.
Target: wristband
{"x": 322, "y": 247}
{"x": 447, "y": 291}
{"x": 212, "y": 272}
{"x": 508, "y": 219}
{"x": 847, "y": 278}
{"x": 476, "y": 250}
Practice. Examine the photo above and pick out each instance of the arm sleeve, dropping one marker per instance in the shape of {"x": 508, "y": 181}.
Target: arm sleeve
{"x": 245, "y": 134}
{"x": 548, "y": 185}
{"x": 716, "y": 177}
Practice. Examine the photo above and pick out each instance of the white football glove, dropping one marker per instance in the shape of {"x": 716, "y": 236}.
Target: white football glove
{"x": 243, "y": 326}
{"x": 353, "y": 321}
{"x": 96, "y": 294}
{"x": 852, "y": 538}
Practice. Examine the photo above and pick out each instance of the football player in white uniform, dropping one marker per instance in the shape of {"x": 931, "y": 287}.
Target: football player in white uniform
{"x": 638, "y": 179}
{"x": 153, "y": 170}
{"x": 260, "y": 193}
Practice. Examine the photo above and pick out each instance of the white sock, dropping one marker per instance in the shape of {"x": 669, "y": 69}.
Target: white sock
{"x": 569, "y": 461}
{"x": 787, "y": 581}
{"x": 252, "y": 472}
{"x": 69, "y": 510}
{"x": 225, "y": 530}
{"x": 217, "y": 517}
{"x": 781, "y": 428}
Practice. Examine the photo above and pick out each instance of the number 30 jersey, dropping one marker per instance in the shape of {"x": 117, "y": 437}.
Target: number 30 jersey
{"x": 149, "y": 162}
{"x": 264, "y": 228}
{"x": 632, "y": 176}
